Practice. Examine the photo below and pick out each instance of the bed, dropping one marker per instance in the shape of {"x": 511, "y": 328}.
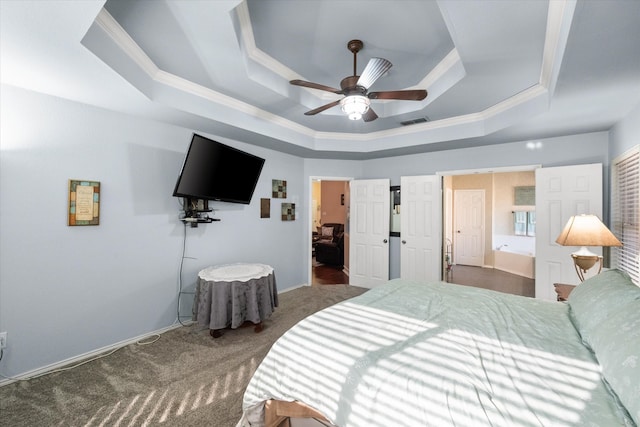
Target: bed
{"x": 438, "y": 354}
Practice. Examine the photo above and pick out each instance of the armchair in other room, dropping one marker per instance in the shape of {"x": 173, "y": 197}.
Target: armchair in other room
{"x": 329, "y": 248}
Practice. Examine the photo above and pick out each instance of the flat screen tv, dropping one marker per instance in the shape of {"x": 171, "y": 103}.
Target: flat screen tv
{"x": 214, "y": 171}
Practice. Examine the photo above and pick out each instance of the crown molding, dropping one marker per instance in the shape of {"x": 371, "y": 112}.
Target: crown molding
{"x": 448, "y": 72}
{"x": 112, "y": 28}
{"x": 559, "y": 19}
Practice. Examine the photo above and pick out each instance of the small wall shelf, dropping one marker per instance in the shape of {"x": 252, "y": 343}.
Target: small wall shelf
{"x": 194, "y": 210}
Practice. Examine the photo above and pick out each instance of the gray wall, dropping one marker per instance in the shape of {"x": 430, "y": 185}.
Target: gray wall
{"x": 561, "y": 151}
{"x": 67, "y": 291}
{"x": 625, "y": 134}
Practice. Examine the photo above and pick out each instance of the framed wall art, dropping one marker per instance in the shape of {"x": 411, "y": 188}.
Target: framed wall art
{"x": 288, "y": 211}
{"x": 279, "y": 189}
{"x": 84, "y": 202}
{"x": 265, "y": 208}
{"x": 524, "y": 196}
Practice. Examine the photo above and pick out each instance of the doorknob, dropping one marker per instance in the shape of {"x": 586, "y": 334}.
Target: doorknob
{"x": 384, "y": 241}
{"x": 458, "y": 231}
{"x": 404, "y": 242}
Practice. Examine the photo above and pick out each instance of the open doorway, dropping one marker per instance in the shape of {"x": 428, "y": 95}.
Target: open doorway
{"x": 489, "y": 229}
{"x": 329, "y": 231}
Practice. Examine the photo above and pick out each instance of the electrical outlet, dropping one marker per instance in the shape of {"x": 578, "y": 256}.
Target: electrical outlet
{"x": 3, "y": 340}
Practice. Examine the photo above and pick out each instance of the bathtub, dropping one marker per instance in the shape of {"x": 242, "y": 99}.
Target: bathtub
{"x": 520, "y": 263}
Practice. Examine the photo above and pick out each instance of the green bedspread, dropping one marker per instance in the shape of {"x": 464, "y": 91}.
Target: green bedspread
{"x": 438, "y": 354}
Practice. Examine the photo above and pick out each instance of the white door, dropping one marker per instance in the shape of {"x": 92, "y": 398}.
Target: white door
{"x": 369, "y": 232}
{"x": 468, "y": 206}
{"x": 562, "y": 192}
{"x": 420, "y": 227}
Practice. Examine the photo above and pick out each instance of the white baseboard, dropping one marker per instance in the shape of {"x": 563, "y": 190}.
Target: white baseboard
{"x": 293, "y": 287}
{"x": 82, "y": 357}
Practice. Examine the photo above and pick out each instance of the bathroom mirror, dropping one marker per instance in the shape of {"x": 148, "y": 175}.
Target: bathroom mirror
{"x": 394, "y": 218}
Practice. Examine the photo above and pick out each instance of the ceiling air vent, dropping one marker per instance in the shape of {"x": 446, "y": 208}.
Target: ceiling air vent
{"x": 415, "y": 121}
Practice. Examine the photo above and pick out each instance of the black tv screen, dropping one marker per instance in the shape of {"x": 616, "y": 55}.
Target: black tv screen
{"x": 214, "y": 171}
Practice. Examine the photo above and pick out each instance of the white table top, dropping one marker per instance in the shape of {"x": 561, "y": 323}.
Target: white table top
{"x": 240, "y": 272}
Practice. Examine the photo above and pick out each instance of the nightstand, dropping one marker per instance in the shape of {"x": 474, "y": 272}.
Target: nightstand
{"x": 563, "y": 290}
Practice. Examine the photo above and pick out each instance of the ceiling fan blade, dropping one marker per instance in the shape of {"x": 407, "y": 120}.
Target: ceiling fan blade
{"x": 372, "y": 72}
{"x": 321, "y": 109}
{"x": 315, "y": 86}
{"x": 370, "y": 115}
{"x": 408, "y": 95}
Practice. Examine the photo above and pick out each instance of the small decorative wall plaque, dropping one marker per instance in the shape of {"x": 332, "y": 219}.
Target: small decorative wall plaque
{"x": 84, "y": 202}
{"x": 524, "y": 196}
{"x": 288, "y": 211}
{"x": 279, "y": 189}
{"x": 265, "y": 208}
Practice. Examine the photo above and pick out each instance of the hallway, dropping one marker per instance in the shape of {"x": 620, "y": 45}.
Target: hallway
{"x": 322, "y": 274}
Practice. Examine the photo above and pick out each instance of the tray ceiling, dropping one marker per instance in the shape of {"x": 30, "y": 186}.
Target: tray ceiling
{"x": 496, "y": 71}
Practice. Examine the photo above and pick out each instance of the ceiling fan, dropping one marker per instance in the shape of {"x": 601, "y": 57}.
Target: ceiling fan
{"x": 356, "y": 103}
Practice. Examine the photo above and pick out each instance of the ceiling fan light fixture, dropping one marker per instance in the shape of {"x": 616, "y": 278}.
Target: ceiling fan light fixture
{"x": 355, "y": 106}
{"x": 356, "y": 103}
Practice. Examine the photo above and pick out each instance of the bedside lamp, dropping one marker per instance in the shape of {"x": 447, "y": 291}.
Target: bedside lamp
{"x": 586, "y": 230}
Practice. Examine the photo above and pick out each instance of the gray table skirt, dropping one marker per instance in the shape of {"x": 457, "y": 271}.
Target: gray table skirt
{"x": 218, "y": 305}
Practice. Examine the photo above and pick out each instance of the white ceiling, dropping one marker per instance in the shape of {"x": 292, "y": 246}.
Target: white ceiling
{"x": 496, "y": 71}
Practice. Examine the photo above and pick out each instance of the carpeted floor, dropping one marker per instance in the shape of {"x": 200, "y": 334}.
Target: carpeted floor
{"x": 186, "y": 378}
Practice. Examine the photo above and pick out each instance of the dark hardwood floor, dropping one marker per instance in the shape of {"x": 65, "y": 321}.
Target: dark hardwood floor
{"x": 490, "y": 278}
{"x": 327, "y": 274}
{"x": 487, "y": 278}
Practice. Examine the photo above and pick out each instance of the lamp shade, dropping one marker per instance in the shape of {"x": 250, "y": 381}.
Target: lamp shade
{"x": 586, "y": 230}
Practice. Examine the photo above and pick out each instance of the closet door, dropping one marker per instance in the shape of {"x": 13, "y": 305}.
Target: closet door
{"x": 562, "y": 192}
{"x": 421, "y": 227}
{"x": 369, "y": 232}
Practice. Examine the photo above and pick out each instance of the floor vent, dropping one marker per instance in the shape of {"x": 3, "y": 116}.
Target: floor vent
{"x": 415, "y": 121}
